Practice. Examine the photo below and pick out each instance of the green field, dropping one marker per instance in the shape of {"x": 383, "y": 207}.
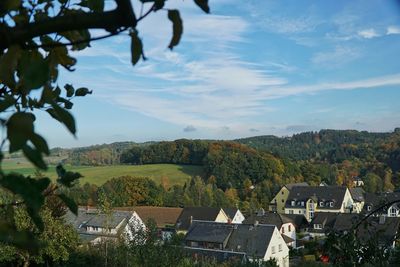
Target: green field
{"x": 177, "y": 174}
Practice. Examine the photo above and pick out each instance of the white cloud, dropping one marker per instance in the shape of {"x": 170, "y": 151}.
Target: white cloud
{"x": 368, "y": 33}
{"x": 393, "y": 30}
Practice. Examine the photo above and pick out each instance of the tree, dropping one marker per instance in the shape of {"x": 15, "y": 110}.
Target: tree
{"x": 36, "y": 38}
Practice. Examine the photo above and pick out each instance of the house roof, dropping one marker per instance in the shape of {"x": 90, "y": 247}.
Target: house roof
{"x": 244, "y": 238}
{"x": 383, "y": 228}
{"x": 345, "y": 221}
{"x": 326, "y": 194}
{"x": 269, "y": 218}
{"x": 163, "y": 216}
{"x": 251, "y": 239}
{"x": 106, "y": 221}
{"x": 326, "y": 219}
{"x": 209, "y": 232}
{"x": 217, "y": 255}
{"x": 290, "y": 186}
{"x": 231, "y": 212}
{"x": 298, "y": 220}
{"x": 287, "y": 239}
{"x": 357, "y": 194}
{"x": 189, "y": 214}
{"x": 374, "y": 200}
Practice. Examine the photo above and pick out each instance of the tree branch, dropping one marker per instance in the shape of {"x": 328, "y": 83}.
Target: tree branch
{"x": 122, "y": 16}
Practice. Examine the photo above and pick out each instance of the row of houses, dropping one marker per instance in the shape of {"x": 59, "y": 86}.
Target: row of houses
{"x": 225, "y": 233}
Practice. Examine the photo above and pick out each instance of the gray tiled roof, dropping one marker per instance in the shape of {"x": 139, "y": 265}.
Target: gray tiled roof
{"x": 326, "y": 194}
{"x": 269, "y": 218}
{"x": 253, "y": 240}
{"x": 231, "y": 212}
{"x": 357, "y": 193}
{"x": 290, "y": 186}
{"x": 196, "y": 213}
{"x": 209, "y": 232}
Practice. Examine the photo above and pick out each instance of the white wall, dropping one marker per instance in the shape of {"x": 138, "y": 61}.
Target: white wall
{"x": 281, "y": 256}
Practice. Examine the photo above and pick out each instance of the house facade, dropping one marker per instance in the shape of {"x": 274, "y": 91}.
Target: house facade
{"x": 258, "y": 242}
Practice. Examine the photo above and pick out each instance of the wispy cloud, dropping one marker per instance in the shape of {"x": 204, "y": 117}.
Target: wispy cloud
{"x": 393, "y": 30}
{"x": 368, "y": 33}
{"x": 339, "y": 56}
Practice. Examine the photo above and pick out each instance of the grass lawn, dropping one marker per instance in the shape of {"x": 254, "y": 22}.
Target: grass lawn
{"x": 177, "y": 174}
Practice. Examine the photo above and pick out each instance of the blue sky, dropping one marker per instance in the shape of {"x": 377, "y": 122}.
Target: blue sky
{"x": 250, "y": 68}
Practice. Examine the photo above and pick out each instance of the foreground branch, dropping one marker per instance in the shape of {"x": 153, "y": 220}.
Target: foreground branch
{"x": 122, "y": 16}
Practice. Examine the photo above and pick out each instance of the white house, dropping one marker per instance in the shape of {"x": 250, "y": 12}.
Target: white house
{"x": 258, "y": 242}
{"x": 234, "y": 214}
{"x": 312, "y": 199}
{"x": 94, "y": 227}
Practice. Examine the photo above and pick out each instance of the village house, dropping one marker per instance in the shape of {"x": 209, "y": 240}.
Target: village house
{"x": 357, "y": 194}
{"x": 95, "y": 227}
{"x": 189, "y": 214}
{"x": 234, "y": 214}
{"x": 373, "y": 201}
{"x": 308, "y": 200}
{"x": 277, "y": 204}
{"x": 257, "y": 242}
{"x": 284, "y": 224}
{"x": 164, "y": 218}
{"x": 384, "y": 229}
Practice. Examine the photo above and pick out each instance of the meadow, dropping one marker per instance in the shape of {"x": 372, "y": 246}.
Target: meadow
{"x": 98, "y": 175}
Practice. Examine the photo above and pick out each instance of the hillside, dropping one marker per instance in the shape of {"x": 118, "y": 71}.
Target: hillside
{"x": 98, "y": 175}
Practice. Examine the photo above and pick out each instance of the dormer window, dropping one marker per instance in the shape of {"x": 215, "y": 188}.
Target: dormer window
{"x": 321, "y": 203}
{"x": 331, "y": 204}
{"x": 368, "y": 208}
{"x": 293, "y": 203}
{"x": 317, "y": 226}
{"x": 302, "y": 203}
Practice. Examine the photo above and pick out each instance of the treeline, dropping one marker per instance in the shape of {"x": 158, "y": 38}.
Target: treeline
{"x": 129, "y": 191}
{"x": 230, "y": 162}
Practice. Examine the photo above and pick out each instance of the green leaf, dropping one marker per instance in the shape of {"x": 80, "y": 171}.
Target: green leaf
{"x": 34, "y": 70}
{"x": 203, "y": 4}
{"x": 70, "y": 203}
{"x": 34, "y": 156}
{"x": 177, "y": 27}
{"x": 19, "y": 129}
{"x": 9, "y": 5}
{"x": 96, "y": 5}
{"x": 40, "y": 143}
{"x": 31, "y": 191}
{"x": 8, "y": 65}
{"x": 136, "y": 47}
{"x": 159, "y": 4}
{"x": 82, "y": 91}
{"x": 63, "y": 116}
{"x": 68, "y": 178}
{"x": 22, "y": 239}
{"x": 7, "y": 102}
{"x": 70, "y": 90}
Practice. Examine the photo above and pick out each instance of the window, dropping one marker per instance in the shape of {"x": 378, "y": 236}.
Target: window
{"x": 280, "y": 247}
{"x": 283, "y": 229}
{"x": 290, "y": 228}
{"x": 317, "y": 226}
{"x": 321, "y": 203}
{"x": 299, "y": 211}
{"x": 392, "y": 212}
{"x": 283, "y": 201}
{"x": 311, "y": 215}
{"x": 368, "y": 208}
{"x": 331, "y": 204}
{"x": 282, "y": 192}
{"x": 273, "y": 249}
{"x": 302, "y": 203}
{"x": 293, "y": 203}
{"x": 290, "y": 211}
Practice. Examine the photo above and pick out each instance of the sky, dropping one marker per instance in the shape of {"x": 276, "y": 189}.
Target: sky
{"x": 249, "y": 68}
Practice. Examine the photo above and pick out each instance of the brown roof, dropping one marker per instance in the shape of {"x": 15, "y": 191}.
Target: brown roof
{"x": 163, "y": 216}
